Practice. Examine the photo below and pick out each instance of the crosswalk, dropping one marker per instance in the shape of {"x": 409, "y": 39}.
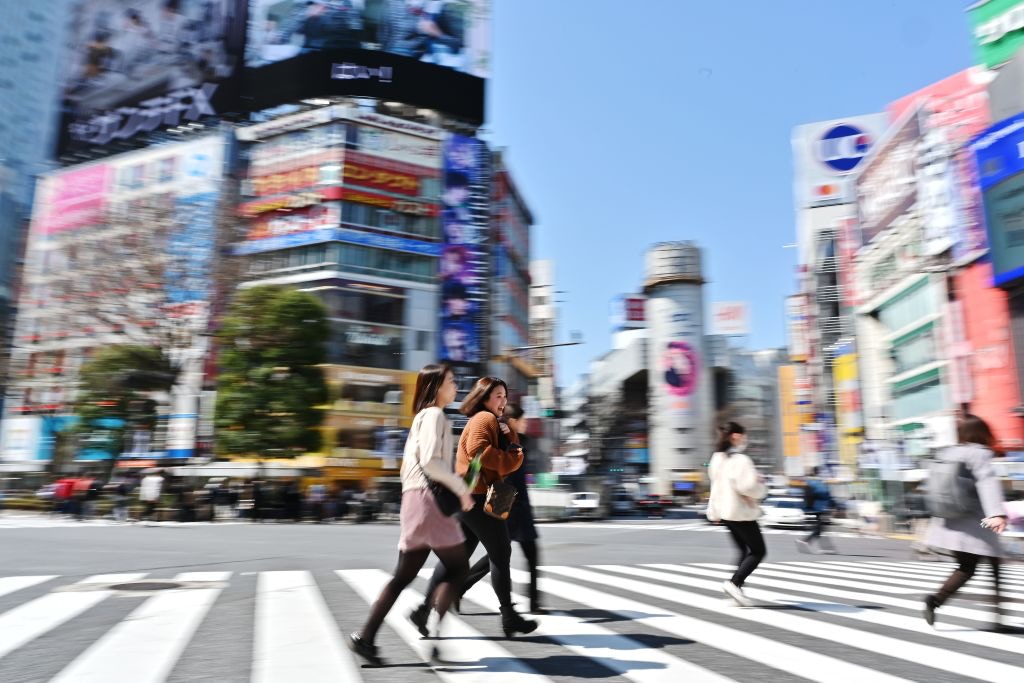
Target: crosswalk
{"x": 700, "y": 525}
{"x": 822, "y": 621}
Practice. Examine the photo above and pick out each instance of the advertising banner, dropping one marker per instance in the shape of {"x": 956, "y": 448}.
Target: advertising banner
{"x": 798, "y": 326}
{"x": 887, "y": 184}
{"x": 790, "y": 412}
{"x": 849, "y": 412}
{"x": 730, "y": 318}
{"x": 997, "y": 27}
{"x": 381, "y": 179}
{"x": 989, "y": 355}
{"x": 135, "y": 67}
{"x": 626, "y": 312}
{"x": 72, "y": 199}
{"x": 278, "y": 223}
{"x": 827, "y": 156}
{"x": 454, "y": 34}
{"x": 389, "y": 144}
{"x": 336, "y": 234}
{"x": 463, "y": 259}
{"x": 846, "y": 251}
{"x": 999, "y": 158}
{"x": 953, "y": 111}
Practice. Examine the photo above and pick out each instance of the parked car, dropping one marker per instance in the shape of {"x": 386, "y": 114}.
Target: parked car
{"x": 653, "y": 504}
{"x": 585, "y": 504}
{"x": 779, "y": 512}
{"x": 623, "y": 503}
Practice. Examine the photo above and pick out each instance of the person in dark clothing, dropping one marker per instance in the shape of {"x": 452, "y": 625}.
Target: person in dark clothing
{"x": 259, "y": 501}
{"x": 818, "y": 504}
{"x": 521, "y": 527}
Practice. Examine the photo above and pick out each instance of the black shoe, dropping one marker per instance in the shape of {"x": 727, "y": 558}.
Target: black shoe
{"x": 512, "y": 623}
{"x": 457, "y": 604}
{"x": 419, "y": 618}
{"x": 364, "y": 649}
{"x": 929, "y": 610}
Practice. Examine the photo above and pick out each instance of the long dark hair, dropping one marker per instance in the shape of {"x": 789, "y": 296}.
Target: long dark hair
{"x": 972, "y": 429}
{"x": 482, "y": 390}
{"x": 725, "y": 433}
{"x": 514, "y": 411}
{"x": 430, "y": 379}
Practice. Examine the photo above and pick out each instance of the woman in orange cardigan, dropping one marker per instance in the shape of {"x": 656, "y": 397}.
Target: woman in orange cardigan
{"x": 484, "y": 434}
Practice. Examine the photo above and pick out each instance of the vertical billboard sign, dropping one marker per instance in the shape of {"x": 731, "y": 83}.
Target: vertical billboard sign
{"x": 846, "y": 252}
{"x": 798, "y": 328}
{"x": 463, "y": 258}
{"x": 827, "y": 156}
{"x": 730, "y": 318}
{"x": 952, "y": 111}
{"x": 626, "y": 312}
{"x": 887, "y": 185}
{"x": 999, "y": 158}
{"x": 998, "y": 30}
{"x": 848, "y": 402}
{"x": 138, "y": 66}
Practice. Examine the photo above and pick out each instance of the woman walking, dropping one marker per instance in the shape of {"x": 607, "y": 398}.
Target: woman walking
{"x": 969, "y": 541}
{"x": 483, "y": 405}
{"x": 428, "y": 457}
{"x": 521, "y": 527}
{"x": 736, "y": 491}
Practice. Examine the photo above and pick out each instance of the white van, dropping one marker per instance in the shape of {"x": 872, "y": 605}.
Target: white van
{"x": 585, "y": 504}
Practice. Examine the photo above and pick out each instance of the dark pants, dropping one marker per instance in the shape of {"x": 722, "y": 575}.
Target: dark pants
{"x": 410, "y": 562}
{"x": 817, "y": 527}
{"x": 480, "y": 528}
{"x": 968, "y": 565}
{"x": 749, "y": 541}
{"x": 483, "y": 565}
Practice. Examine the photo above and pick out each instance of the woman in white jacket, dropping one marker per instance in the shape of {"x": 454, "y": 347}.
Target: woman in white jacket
{"x": 429, "y": 455}
{"x": 736, "y": 491}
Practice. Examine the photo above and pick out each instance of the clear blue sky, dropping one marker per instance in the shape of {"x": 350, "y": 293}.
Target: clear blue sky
{"x": 629, "y": 123}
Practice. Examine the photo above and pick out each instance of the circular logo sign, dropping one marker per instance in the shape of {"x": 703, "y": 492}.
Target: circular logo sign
{"x": 842, "y": 147}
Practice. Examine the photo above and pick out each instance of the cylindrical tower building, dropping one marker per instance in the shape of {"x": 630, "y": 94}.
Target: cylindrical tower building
{"x": 679, "y": 412}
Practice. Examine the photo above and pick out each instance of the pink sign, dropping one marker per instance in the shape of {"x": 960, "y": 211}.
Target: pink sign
{"x": 74, "y": 199}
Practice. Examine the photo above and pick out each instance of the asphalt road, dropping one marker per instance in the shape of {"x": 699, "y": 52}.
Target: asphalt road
{"x": 273, "y": 602}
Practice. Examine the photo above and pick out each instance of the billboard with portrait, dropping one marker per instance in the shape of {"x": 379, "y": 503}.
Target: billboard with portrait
{"x": 426, "y": 53}
{"x": 453, "y": 34}
{"x": 137, "y": 66}
{"x": 463, "y": 264}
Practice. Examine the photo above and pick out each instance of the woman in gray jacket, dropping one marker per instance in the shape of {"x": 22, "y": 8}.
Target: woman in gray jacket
{"x": 969, "y": 541}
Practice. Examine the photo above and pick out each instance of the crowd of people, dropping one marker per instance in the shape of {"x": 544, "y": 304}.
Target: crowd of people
{"x": 449, "y": 510}
{"x": 160, "y": 496}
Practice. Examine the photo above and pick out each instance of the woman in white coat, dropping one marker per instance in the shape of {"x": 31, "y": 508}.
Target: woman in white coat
{"x": 736, "y": 491}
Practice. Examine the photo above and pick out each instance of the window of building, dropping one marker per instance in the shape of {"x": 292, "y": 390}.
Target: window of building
{"x": 914, "y": 350}
{"x": 909, "y": 307}
{"x": 918, "y": 397}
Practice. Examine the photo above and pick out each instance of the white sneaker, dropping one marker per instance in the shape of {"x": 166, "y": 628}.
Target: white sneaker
{"x": 736, "y": 593}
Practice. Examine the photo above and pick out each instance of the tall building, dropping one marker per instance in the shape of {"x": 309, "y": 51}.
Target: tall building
{"x": 510, "y": 282}
{"x": 31, "y": 58}
{"x": 680, "y": 419}
{"x": 120, "y": 252}
{"x": 827, "y": 155}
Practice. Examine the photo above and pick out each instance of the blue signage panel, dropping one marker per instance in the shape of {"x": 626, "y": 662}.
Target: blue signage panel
{"x": 999, "y": 155}
{"x": 347, "y": 235}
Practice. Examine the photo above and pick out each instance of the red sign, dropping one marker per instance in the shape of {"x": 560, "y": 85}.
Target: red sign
{"x": 382, "y": 179}
{"x": 279, "y": 183}
{"x": 391, "y": 203}
{"x": 284, "y": 223}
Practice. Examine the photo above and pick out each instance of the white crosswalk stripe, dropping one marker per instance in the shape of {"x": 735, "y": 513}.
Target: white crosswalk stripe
{"x": 827, "y": 621}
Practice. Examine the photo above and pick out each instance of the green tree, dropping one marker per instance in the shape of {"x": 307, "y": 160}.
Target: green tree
{"x": 115, "y": 393}
{"x": 271, "y": 343}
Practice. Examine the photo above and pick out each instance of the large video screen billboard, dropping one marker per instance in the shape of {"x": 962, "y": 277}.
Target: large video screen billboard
{"x": 433, "y": 54}
{"x": 146, "y": 64}
{"x": 449, "y": 33}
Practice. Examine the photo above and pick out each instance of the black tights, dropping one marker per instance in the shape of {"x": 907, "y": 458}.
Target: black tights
{"x": 749, "y": 541}
{"x": 968, "y": 564}
{"x": 481, "y": 528}
{"x": 453, "y": 559}
{"x": 483, "y": 565}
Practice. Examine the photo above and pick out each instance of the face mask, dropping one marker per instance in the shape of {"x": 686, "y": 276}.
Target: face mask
{"x": 742, "y": 445}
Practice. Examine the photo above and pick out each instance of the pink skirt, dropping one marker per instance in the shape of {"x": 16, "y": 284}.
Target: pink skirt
{"x": 423, "y": 525}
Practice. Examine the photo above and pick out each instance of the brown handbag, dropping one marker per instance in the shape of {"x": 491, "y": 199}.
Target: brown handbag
{"x": 500, "y": 496}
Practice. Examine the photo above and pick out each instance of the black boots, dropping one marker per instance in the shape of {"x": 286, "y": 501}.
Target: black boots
{"x": 512, "y": 623}
{"x": 364, "y": 649}
{"x": 930, "y": 603}
{"x": 419, "y": 618}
